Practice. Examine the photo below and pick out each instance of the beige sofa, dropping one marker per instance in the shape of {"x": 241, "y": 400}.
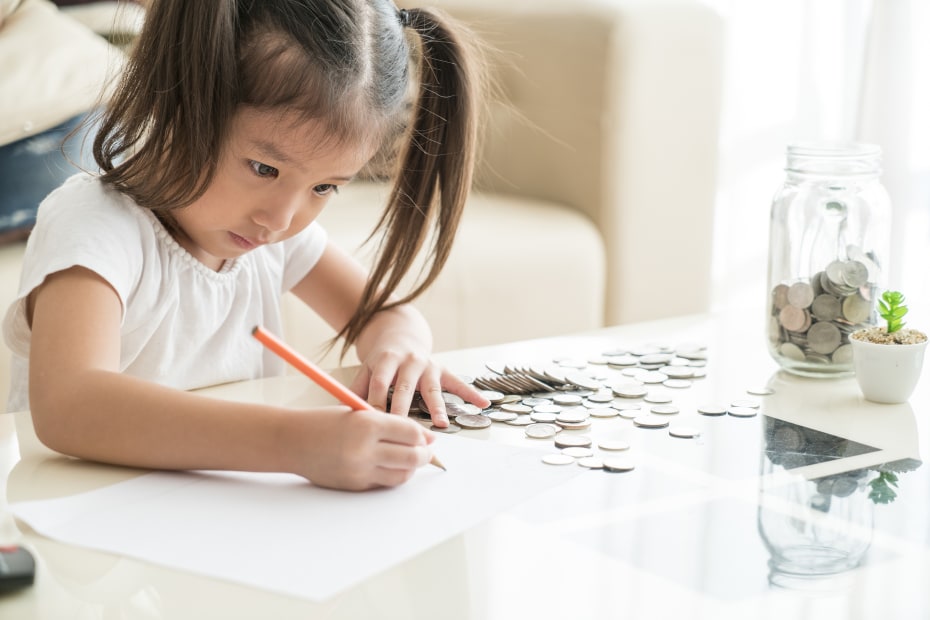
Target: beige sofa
{"x": 594, "y": 200}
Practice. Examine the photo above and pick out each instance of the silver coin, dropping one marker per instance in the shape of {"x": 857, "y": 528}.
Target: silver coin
{"x": 856, "y": 309}
{"x": 826, "y": 307}
{"x": 654, "y": 377}
{"x": 613, "y": 445}
{"x": 684, "y": 432}
{"x": 521, "y": 420}
{"x": 679, "y": 372}
{"x": 618, "y": 465}
{"x": 577, "y": 452}
{"x": 843, "y": 354}
{"x": 629, "y": 390}
{"x": 598, "y": 360}
{"x": 455, "y": 409}
{"x": 800, "y": 295}
{"x": 824, "y": 337}
{"x": 573, "y": 426}
{"x": 516, "y": 408}
{"x": 583, "y": 381}
{"x": 572, "y": 416}
{"x": 677, "y": 384}
{"x": 501, "y": 416}
{"x": 657, "y": 398}
{"x": 535, "y": 402}
{"x": 558, "y": 459}
{"x": 603, "y": 396}
{"x": 746, "y": 402}
{"x": 603, "y": 412}
{"x": 760, "y": 391}
{"x": 566, "y": 399}
{"x": 623, "y": 360}
{"x": 543, "y": 416}
{"x": 570, "y": 441}
{"x": 541, "y": 431}
{"x": 712, "y": 409}
{"x": 473, "y": 421}
{"x": 591, "y": 462}
{"x": 493, "y": 395}
{"x": 791, "y": 351}
{"x": 553, "y": 409}
{"x": 650, "y": 421}
{"x": 450, "y": 398}
{"x": 664, "y": 409}
{"x": 742, "y": 412}
{"x": 449, "y": 430}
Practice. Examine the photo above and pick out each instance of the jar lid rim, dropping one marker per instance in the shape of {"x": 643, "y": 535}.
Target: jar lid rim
{"x": 850, "y": 150}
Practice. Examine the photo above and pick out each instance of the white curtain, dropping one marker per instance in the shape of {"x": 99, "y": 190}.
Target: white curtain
{"x": 844, "y": 70}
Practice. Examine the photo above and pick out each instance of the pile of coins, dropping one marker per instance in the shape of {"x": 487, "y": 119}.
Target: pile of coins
{"x": 811, "y": 320}
{"x": 567, "y": 394}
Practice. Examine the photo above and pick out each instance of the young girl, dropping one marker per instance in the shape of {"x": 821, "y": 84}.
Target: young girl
{"x": 234, "y": 124}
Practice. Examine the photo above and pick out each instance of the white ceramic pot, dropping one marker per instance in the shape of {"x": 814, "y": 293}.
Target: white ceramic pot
{"x": 887, "y": 373}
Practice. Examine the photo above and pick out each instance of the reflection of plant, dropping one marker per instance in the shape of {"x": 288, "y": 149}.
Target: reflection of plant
{"x": 881, "y": 492}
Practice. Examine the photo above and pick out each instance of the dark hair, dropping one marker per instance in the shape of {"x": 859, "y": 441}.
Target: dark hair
{"x": 342, "y": 62}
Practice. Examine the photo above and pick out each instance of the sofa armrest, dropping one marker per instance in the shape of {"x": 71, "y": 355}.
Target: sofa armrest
{"x": 613, "y": 107}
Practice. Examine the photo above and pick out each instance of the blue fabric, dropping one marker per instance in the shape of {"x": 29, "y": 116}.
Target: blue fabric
{"x": 32, "y": 167}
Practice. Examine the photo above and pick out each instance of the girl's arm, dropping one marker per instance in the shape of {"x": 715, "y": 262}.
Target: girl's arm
{"x": 394, "y": 347}
{"x": 83, "y": 406}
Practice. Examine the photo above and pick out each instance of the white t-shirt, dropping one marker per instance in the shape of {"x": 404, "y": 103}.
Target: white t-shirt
{"x": 183, "y": 325}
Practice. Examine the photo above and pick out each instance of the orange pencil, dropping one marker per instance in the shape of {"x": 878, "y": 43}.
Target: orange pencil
{"x": 318, "y": 375}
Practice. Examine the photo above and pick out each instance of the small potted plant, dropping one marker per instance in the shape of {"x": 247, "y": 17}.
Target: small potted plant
{"x": 888, "y": 358}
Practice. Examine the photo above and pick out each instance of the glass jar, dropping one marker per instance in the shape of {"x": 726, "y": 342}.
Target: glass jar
{"x": 829, "y": 235}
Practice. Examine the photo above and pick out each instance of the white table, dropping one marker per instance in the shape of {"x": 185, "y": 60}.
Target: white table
{"x": 683, "y": 535}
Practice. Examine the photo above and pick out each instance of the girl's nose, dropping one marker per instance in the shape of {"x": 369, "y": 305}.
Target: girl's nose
{"x": 277, "y": 217}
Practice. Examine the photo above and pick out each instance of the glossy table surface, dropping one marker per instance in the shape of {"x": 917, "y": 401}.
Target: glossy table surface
{"x": 785, "y": 514}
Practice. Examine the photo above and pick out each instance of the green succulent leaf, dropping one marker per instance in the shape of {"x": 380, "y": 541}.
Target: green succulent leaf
{"x": 892, "y": 309}
{"x": 882, "y": 491}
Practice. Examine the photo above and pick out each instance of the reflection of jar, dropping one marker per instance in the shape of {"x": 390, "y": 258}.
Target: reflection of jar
{"x": 812, "y": 528}
{"x": 829, "y": 233}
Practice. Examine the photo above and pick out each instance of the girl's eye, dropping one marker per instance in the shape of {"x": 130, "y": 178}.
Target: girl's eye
{"x": 263, "y": 170}
{"x": 326, "y": 188}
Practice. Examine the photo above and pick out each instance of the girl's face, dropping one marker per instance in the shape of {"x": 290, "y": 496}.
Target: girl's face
{"x": 272, "y": 180}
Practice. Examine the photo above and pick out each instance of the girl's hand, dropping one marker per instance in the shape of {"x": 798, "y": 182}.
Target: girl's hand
{"x": 356, "y": 450}
{"x": 410, "y": 373}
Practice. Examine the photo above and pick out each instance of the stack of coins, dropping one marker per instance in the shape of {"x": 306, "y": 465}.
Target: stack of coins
{"x": 811, "y": 320}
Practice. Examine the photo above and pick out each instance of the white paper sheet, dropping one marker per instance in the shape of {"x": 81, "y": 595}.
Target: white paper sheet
{"x": 312, "y": 543}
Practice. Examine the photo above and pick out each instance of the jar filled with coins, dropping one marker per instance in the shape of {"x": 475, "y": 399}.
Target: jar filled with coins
{"x": 829, "y": 236}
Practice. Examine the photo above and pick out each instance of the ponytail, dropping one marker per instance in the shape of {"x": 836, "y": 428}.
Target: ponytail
{"x": 435, "y": 166}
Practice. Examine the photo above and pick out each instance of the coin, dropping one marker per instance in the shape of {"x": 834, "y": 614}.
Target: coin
{"x": 657, "y": 398}
{"x": 800, "y": 295}
{"x": 574, "y": 426}
{"x": 492, "y": 395}
{"x": 664, "y": 410}
{"x": 516, "y": 408}
{"x": 742, "y": 412}
{"x": 472, "y": 421}
{"x": 566, "y": 399}
{"x": 712, "y": 409}
{"x": 520, "y": 420}
{"x": 760, "y": 391}
{"x": 583, "y": 381}
{"x": 603, "y": 412}
{"x": 543, "y": 416}
{"x": 613, "y": 445}
{"x": 629, "y": 390}
{"x": 591, "y": 462}
{"x": 650, "y": 421}
{"x": 452, "y": 428}
{"x": 826, "y": 307}
{"x": 501, "y": 416}
{"x": 677, "y": 384}
{"x": 654, "y": 377}
{"x": 577, "y": 451}
{"x": 684, "y": 432}
{"x": 618, "y": 465}
{"x": 558, "y": 459}
{"x": 746, "y": 402}
{"x": 541, "y": 431}
{"x": 572, "y": 416}
{"x": 824, "y": 337}
{"x": 569, "y": 441}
